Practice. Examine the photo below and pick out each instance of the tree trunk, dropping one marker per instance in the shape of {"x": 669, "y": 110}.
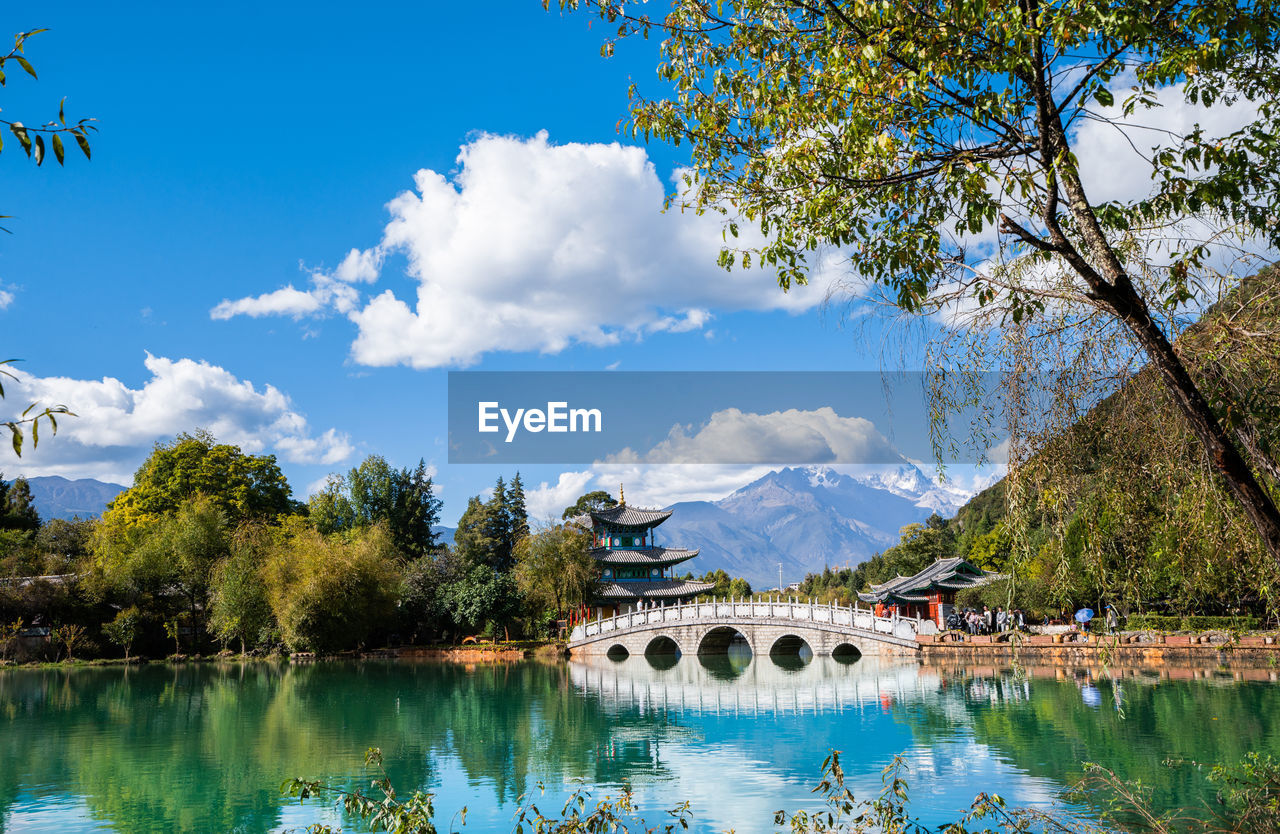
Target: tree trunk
{"x": 1114, "y": 288}
{"x": 1224, "y": 457}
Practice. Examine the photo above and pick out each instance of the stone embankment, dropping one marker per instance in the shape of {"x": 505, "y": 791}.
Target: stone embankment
{"x": 1140, "y": 647}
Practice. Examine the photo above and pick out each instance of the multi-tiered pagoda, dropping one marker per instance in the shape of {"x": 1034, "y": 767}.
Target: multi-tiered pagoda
{"x": 635, "y": 572}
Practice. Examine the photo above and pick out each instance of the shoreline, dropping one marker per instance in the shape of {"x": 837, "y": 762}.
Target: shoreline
{"x": 1146, "y": 649}
{"x": 480, "y": 653}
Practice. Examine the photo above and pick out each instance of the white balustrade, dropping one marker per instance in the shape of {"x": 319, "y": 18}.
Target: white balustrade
{"x": 777, "y": 609}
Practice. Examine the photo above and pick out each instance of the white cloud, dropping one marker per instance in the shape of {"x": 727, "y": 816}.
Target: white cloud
{"x": 6, "y": 298}
{"x": 325, "y": 293}
{"x": 116, "y": 426}
{"x": 547, "y": 501}
{"x": 1114, "y": 154}
{"x": 1114, "y": 151}
{"x": 731, "y": 435}
{"x": 286, "y": 301}
{"x": 532, "y": 246}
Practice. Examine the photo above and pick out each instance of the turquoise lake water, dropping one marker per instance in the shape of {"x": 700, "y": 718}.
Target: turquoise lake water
{"x": 204, "y": 747}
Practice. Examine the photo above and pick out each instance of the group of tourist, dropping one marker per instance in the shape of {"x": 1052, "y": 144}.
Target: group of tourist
{"x": 987, "y": 621}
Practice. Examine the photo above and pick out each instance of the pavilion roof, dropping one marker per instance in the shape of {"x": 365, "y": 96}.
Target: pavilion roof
{"x": 665, "y": 589}
{"x": 628, "y": 516}
{"x": 953, "y": 574}
{"x": 642, "y": 556}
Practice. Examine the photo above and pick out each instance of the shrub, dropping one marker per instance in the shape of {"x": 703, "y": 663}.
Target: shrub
{"x": 1162, "y": 622}
{"x": 333, "y": 592}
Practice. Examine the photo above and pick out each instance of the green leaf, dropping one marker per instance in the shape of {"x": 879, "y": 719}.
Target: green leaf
{"x": 57, "y": 148}
{"x": 1103, "y": 96}
{"x": 21, "y": 132}
{"x": 83, "y": 142}
{"x": 26, "y": 65}
{"x": 39, "y": 149}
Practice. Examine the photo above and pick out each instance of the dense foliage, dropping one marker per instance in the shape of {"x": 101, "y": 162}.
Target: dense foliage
{"x": 375, "y": 492}
{"x": 208, "y": 550}
{"x": 1122, "y": 507}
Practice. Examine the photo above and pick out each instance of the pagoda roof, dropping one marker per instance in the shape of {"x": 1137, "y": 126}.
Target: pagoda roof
{"x": 665, "y": 589}
{"x": 953, "y": 574}
{"x": 627, "y": 516}
{"x": 642, "y": 556}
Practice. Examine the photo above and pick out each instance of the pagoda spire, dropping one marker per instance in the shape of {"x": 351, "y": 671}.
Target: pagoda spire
{"x": 622, "y": 496}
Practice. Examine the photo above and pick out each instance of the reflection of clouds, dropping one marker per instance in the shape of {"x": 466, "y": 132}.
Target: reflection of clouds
{"x": 764, "y": 735}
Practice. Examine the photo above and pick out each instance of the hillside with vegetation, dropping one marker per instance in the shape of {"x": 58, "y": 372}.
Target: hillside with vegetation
{"x": 1124, "y": 507}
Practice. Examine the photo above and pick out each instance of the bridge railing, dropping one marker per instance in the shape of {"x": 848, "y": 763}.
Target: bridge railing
{"x": 790, "y": 609}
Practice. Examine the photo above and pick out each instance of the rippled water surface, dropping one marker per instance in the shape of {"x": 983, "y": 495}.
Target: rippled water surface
{"x": 205, "y": 747}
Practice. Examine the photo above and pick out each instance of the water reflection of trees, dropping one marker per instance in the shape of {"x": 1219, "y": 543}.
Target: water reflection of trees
{"x": 1135, "y": 721}
{"x": 204, "y": 747}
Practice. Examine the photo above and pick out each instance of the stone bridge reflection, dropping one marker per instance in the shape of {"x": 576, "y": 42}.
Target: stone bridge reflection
{"x": 740, "y": 685}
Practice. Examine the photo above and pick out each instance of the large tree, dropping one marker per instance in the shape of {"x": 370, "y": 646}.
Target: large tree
{"x": 243, "y": 487}
{"x": 489, "y": 531}
{"x": 332, "y": 592}
{"x": 165, "y": 563}
{"x": 588, "y": 503}
{"x": 17, "y": 507}
{"x": 375, "y": 491}
{"x": 902, "y": 133}
{"x": 555, "y": 569}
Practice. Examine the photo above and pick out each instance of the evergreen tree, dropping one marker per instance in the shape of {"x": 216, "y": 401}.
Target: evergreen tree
{"x": 498, "y": 528}
{"x": 375, "y": 491}
{"x": 518, "y": 512}
{"x": 418, "y": 512}
{"x": 473, "y": 541}
{"x": 17, "y": 510}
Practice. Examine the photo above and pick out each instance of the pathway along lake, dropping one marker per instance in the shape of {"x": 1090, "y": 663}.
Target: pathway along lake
{"x": 204, "y": 747}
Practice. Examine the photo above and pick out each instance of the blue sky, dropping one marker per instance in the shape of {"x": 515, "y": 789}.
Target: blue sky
{"x": 299, "y": 217}
{"x": 242, "y": 147}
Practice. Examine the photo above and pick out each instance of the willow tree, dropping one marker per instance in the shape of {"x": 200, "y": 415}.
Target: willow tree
{"x": 904, "y": 134}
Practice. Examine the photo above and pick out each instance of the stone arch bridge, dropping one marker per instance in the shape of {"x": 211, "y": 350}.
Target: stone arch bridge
{"x": 782, "y": 626}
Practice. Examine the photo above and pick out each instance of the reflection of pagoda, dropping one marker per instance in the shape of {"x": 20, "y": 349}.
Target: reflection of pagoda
{"x": 635, "y": 572}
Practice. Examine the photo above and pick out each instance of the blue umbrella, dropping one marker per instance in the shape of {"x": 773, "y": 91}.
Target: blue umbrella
{"x": 1084, "y": 615}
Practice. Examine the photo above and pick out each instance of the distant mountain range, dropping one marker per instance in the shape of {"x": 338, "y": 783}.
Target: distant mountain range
{"x": 57, "y": 497}
{"x": 805, "y": 518}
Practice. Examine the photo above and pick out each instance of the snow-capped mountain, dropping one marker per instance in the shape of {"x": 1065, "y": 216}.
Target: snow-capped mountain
{"x": 907, "y": 481}
{"x": 805, "y": 518}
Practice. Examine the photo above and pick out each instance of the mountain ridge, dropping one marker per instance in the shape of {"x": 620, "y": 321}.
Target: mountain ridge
{"x": 805, "y": 518}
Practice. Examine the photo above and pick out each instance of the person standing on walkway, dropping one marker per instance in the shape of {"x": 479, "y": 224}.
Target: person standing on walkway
{"x": 1113, "y": 619}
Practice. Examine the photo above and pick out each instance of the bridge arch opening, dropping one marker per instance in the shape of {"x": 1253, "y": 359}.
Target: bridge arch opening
{"x": 662, "y": 652}
{"x": 617, "y": 653}
{"x": 845, "y": 653}
{"x": 724, "y": 640}
{"x": 791, "y": 652}
{"x": 662, "y": 644}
